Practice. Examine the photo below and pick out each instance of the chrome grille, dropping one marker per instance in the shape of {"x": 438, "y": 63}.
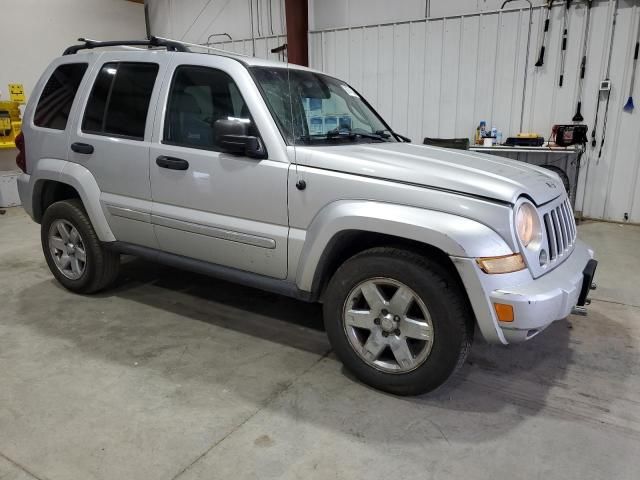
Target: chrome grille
{"x": 561, "y": 229}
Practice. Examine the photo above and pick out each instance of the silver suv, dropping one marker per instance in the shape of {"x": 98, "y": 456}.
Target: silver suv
{"x": 283, "y": 178}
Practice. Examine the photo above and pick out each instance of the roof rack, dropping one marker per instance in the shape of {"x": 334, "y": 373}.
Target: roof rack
{"x": 88, "y": 44}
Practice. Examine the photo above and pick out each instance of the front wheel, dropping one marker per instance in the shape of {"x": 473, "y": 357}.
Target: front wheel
{"x": 397, "y": 321}
{"x": 73, "y": 251}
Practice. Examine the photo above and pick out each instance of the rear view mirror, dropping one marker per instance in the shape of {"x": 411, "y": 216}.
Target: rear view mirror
{"x": 231, "y": 137}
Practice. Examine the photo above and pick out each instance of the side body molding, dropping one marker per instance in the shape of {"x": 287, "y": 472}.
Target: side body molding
{"x": 83, "y": 181}
{"x": 454, "y": 235}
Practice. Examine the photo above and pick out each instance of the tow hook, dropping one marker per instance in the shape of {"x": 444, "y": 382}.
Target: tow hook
{"x": 579, "y": 311}
{"x": 582, "y": 311}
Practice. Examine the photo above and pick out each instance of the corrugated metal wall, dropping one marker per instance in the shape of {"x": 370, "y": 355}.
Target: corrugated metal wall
{"x": 440, "y": 76}
{"x": 195, "y": 20}
{"x": 263, "y": 46}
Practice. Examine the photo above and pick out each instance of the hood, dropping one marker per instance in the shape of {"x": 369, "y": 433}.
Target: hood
{"x": 462, "y": 171}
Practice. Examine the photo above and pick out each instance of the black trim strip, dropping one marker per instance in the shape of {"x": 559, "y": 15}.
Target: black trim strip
{"x": 215, "y": 232}
{"x": 129, "y": 213}
{"x": 254, "y": 280}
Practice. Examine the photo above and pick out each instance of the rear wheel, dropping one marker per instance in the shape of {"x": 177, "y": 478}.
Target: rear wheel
{"x": 398, "y": 322}
{"x": 73, "y": 251}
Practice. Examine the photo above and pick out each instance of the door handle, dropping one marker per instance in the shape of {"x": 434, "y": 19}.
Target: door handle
{"x": 82, "y": 148}
{"x": 172, "y": 163}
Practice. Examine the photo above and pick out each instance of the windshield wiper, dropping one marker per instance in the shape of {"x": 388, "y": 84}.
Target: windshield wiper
{"x": 348, "y": 133}
{"x": 386, "y": 135}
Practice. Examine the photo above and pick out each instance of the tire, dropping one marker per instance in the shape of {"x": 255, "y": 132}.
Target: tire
{"x": 431, "y": 286}
{"x": 100, "y": 266}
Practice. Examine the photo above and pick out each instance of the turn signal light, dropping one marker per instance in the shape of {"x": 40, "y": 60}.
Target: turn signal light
{"x": 504, "y": 312}
{"x": 504, "y": 264}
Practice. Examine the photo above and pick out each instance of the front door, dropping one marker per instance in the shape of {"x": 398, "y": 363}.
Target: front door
{"x": 225, "y": 209}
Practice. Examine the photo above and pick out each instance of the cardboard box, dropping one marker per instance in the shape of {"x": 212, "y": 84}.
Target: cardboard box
{"x": 9, "y": 189}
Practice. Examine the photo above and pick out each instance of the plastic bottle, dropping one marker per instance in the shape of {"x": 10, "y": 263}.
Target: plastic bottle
{"x": 481, "y": 132}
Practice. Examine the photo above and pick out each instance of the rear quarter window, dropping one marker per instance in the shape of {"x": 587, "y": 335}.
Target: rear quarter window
{"x": 57, "y": 96}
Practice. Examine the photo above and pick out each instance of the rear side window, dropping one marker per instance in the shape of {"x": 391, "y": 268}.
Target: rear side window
{"x": 57, "y": 97}
{"x": 119, "y": 101}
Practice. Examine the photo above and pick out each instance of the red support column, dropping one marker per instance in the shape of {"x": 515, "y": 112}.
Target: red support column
{"x": 297, "y": 31}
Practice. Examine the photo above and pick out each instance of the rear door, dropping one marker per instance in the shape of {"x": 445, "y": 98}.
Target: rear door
{"x": 225, "y": 209}
{"x": 111, "y": 138}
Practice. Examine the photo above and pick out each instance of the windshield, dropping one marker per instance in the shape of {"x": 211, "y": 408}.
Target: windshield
{"x": 318, "y": 110}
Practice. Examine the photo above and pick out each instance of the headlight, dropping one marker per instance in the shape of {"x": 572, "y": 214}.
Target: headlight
{"x": 528, "y": 225}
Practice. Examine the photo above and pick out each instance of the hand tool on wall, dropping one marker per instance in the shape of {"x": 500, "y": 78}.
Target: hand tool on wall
{"x": 606, "y": 87}
{"x": 563, "y": 44}
{"x": 540, "y": 61}
{"x": 628, "y": 107}
{"x": 583, "y": 63}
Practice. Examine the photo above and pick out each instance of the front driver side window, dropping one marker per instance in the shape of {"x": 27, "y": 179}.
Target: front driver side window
{"x": 200, "y": 96}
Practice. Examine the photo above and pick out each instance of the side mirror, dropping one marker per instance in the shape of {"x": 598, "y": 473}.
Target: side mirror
{"x": 231, "y": 136}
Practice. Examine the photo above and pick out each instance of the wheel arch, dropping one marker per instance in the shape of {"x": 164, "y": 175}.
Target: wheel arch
{"x": 47, "y": 192}
{"x": 57, "y": 180}
{"x": 348, "y": 243}
{"x": 345, "y": 228}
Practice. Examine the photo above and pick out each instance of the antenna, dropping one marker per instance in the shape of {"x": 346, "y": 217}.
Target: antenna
{"x": 300, "y": 184}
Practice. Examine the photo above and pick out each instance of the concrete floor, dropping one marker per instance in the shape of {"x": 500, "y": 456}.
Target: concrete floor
{"x": 174, "y": 375}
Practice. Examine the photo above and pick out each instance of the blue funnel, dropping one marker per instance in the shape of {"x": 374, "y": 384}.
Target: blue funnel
{"x": 628, "y": 107}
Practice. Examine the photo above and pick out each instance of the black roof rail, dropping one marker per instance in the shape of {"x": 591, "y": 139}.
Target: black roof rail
{"x": 87, "y": 44}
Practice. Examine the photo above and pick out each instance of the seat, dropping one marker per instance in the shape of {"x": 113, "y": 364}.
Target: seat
{"x": 187, "y": 125}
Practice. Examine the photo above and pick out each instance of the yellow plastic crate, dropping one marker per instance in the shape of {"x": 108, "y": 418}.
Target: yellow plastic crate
{"x": 10, "y": 122}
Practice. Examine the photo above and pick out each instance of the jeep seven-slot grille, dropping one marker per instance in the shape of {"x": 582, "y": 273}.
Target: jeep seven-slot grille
{"x": 561, "y": 229}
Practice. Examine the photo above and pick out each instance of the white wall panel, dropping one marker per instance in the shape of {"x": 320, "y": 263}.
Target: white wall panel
{"x": 440, "y": 76}
{"x": 195, "y": 20}
{"x": 432, "y": 79}
{"x": 370, "y": 63}
{"x": 325, "y": 14}
{"x": 415, "y": 84}
{"x": 34, "y": 32}
{"x": 263, "y": 46}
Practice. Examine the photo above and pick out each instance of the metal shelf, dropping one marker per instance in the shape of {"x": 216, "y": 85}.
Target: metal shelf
{"x": 543, "y": 149}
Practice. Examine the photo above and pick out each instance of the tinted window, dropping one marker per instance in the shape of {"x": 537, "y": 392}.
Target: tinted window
{"x": 119, "y": 101}
{"x": 199, "y": 97}
{"x": 58, "y": 94}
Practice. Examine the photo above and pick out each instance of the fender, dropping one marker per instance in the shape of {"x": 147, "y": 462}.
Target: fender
{"x": 85, "y": 184}
{"x": 454, "y": 235}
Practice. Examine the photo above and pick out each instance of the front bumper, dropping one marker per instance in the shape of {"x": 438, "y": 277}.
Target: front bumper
{"x": 536, "y": 302}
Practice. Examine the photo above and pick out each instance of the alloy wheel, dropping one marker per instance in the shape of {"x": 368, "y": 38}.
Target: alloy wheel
{"x": 388, "y": 325}
{"x": 67, "y": 249}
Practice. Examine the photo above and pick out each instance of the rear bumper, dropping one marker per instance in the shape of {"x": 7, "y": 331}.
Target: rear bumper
{"x": 24, "y": 191}
{"x": 536, "y": 302}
